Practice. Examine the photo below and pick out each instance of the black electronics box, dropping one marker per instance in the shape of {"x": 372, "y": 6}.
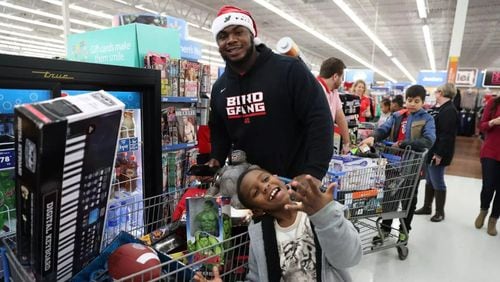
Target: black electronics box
{"x": 65, "y": 151}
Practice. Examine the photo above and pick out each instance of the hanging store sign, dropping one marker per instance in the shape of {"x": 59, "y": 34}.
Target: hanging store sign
{"x": 432, "y": 78}
{"x": 352, "y": 75}
{"x": 466, "y": 77}
{"x": 190, "y": 50}
{"x": 491, "y": 78}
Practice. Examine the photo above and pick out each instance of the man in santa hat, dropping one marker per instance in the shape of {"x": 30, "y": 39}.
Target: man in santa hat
{"x": 268, "y": 105}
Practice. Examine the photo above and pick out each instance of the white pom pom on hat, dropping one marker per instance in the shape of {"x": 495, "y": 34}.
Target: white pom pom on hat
{"x": 231, "y": 15}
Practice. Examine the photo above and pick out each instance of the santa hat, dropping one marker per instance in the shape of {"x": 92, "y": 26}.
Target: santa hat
{"x": 231, "y": 15}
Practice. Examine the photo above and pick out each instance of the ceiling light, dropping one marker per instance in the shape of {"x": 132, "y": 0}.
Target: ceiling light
{"x": 140, "y": 7}
{"x": 215, "y": 53}
{"x": 212, "y": 59}
{"x": 321, "y": 37}
{"x": 200, "y": 27}
{"x": 81, "y": 9}
{"x": 49, "y": 15}
{"x": 20, "y": 44}
{"x": 422, "y": 10}
{"x": 123, "y": 2}
{"x": 13, "y": 47}
{"x": 403, "y": 69}
{"x": 16, "y": 27}
{"x": 16, "y": 18}
{"x": 203, "y": 41}
{"x": 31, "y": 42}
{"x": 350, "y": 13}
{"x": 429, "y": 46}
{"x": 31, "y": 36}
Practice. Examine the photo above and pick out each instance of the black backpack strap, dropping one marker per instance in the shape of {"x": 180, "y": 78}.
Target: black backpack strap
{"x": 319, "y": 253}
{"x": 271, "y": 247}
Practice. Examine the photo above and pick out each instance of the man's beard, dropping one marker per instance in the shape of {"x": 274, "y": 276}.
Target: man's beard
{"x": 242, "y": 61}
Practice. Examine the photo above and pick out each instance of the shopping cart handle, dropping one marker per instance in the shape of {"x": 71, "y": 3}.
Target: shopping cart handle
{"x": 388, "y": 143}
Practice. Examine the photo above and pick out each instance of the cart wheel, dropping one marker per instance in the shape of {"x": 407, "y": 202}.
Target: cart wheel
{"x": 402, "y": 252}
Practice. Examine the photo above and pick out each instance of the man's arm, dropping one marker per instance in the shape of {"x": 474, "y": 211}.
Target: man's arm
{"x": 311, "y": 106}
{"x": 344, "y": 130}
{"x": 219, "y": 137}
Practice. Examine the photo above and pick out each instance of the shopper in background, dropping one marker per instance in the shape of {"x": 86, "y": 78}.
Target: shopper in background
{"x": 365, "y": 111}
{"x": 385, "y": 108}
{"x": 267, "y": 105}
{"x": 490, "y": 163}
{"x": 440, "y": 155}
{"x": 397, "y": 103}
{"x": 412, "y": 127}
{"x": 330, "y": 78}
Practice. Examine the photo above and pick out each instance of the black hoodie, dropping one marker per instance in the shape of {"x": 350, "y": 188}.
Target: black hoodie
{"x": 277, "y": 113}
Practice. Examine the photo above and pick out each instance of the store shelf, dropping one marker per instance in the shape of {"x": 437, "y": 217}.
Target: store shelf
{"x": 176, "y": 147}
{"x": 180, "y": 99}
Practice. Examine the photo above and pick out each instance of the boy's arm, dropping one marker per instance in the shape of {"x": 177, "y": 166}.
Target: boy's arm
{"x": 337, "y": 236}
{"x": 253, "y": 271}
{"x": 426, "y": 140}
{"x": 383, "y": 131}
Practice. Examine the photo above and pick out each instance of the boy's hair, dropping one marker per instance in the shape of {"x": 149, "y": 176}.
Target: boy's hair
{"x": 416, "y": 91}
{"x": 331, "y": 66}
{"x": 244, "y": 201}
{"x": 448, "y": 90}
{"x": 398, "y": 99}
{"x": 386, "y": 102}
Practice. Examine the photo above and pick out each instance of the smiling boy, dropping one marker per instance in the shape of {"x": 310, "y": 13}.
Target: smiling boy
{"x": 308, "y": 240}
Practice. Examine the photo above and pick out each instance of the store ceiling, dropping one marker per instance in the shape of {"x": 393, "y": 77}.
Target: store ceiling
{"x": 395, "y": 22}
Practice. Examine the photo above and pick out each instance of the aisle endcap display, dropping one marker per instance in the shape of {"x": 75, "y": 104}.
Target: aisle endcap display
{"x": 123, "y": 45}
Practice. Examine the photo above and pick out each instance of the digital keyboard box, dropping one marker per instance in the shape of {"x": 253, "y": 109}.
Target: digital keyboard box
{"x": 65, "y": 150}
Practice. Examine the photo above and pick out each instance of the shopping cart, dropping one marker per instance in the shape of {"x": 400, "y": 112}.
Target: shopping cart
{"x": 7, "y": 229}
{"x": 379, "y": 189}
{"x": 156, "y": 213}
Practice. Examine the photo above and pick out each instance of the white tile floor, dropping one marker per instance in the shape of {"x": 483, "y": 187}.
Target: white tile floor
{"x": 452, "y": 250}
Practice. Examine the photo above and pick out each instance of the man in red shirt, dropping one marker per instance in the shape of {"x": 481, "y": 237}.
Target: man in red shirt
{"x": 330, "y": 78}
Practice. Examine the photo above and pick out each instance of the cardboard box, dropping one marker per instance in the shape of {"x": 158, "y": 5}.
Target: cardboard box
{"x": 65, "y": 150}
{"x": 123, "y": 45}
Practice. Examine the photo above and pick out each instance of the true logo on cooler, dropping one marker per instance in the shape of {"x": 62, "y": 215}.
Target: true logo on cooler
{"x": 244, "y": 106}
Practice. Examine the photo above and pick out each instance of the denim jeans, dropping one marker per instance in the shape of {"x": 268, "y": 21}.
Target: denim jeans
{"x": 435, "y": 176}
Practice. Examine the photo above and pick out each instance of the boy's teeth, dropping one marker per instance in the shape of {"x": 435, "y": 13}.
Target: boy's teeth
{"x": 273, "y": 193}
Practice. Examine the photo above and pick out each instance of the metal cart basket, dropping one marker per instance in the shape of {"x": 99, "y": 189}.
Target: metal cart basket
{"x": 377, "y": 189}
{"x": 155, "y": 212}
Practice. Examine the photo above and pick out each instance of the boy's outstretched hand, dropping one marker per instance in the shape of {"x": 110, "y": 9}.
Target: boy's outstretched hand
{"x": 198, "y": 277}
{"x": 309, "y": 197}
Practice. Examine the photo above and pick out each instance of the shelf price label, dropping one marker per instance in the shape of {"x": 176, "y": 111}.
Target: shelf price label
{"x": 7, "y": 159}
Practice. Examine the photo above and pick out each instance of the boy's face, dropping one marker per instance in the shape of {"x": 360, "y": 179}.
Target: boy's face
{"x": 414, "y": 104}
{"x": 386, "y": 108}
{"x": 264, "y": 191}
{"x": 395, "y": 107}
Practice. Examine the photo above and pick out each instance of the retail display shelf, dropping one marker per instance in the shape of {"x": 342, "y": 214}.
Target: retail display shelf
{"x": 176, "y": 147}
{"x": 180, "y": 99}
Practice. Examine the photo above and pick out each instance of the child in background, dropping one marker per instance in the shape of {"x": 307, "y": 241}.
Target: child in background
{"x": 397, "y": 103}
{"x": 412, "y": 127}
{"x": 305, "y": 240}
{"x": 385, "y": 107}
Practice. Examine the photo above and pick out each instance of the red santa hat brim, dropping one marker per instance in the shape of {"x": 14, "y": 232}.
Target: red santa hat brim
{"x": 230, "y": 15}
